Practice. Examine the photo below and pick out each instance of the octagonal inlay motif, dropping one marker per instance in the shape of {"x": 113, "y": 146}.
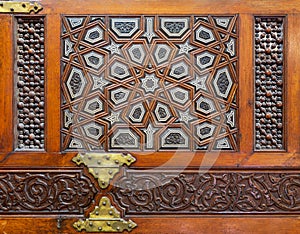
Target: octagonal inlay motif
{"x": 205, "y": 60}
{"x": 137, "y": 53}
{"x": 93, "y": 106}
{"x": 137, "y": 113}
{"x": 93, "y": 131}
{"x": 119, "y": 95}
{"x": 222, "y": 82}
{"x": 205, "y": 105}
{"x": 162, "y": 53}
{"x": 76, "y": 82}
{"x": 162, "y": 112}
{"x": 205, "y": 130}
{"x": 179, "y": 95}
{"x": 179, "y": 70}
{"x": 149, "y": 82}
{"x": 94, "y": 35}
{"x": 119, "y": 70}
{"x": 204, "y": 35}
{"x": 94, "y": 59}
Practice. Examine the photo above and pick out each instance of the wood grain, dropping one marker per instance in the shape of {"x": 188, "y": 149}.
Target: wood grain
{"x": 169, "y": 225}
{"x": 245, "y": 159}
{"x": 6, "y": 84}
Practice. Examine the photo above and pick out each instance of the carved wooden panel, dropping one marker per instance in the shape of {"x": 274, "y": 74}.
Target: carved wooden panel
{"x": 30, "y": 77}
{"x": 67, "y": 192}
{"x": 149, "y": 83}
{"x": 193, "y": 192}
{"x": 269, "y": 83}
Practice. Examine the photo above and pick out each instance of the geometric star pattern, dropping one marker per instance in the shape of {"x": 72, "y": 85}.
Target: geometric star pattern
{"x": 149, "y": 83}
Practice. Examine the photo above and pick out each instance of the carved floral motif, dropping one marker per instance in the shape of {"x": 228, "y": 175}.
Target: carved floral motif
{"x": 36, "y": 192}
{"x": 157, "y": 192}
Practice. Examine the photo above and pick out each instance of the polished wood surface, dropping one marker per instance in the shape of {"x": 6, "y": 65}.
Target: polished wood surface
{"x": 179, "y": 225}
{"x": 244, "y": 159}
{"x": 6, "y": 86}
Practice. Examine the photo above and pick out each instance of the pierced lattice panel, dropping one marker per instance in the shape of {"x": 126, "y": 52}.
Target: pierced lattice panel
{"x": 29, "y": 82}
{"x": 269, "y": 83}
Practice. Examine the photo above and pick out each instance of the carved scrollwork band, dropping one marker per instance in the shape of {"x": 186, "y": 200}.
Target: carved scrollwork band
{"x": 30, "y": 78}
{"x": 269, "y": 83}
{"x": 67, "y": 192}
{"x": 142, "y": 192}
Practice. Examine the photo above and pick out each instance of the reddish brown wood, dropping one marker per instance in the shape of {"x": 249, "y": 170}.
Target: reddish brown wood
{"x": 6, "y": 86}
{"x": 53, "y": 72}
{"x": 196, "y": 192}
{"x": 168, "y": 159}
{"x": 246, "y": 98}
{"x": 292, "y": 94}
{"x": 243, "y": 160}
{"x": 46, "y": 192}
{"x": 184, "y": 225}
{"x": 167, "y": 6}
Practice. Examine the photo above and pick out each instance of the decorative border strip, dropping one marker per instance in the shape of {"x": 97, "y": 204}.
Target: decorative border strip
{"x": 67, "y": 192}
{"x": 269, "y": 83}
{"x": 142, "y": 192}
{"x": 30, "y": 78}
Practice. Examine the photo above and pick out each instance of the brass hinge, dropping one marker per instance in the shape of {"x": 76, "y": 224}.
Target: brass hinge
{"x": 103, "y": 166}
{"x": 105, "y": 218}
{"x": 19, "y": 7}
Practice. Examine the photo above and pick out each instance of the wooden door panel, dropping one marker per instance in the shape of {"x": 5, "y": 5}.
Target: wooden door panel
{"x": 250, "y": 186}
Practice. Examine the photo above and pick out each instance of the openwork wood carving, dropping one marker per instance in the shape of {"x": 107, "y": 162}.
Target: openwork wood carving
{"x": 30, "y": 77}
{"x": 66, "y": 192}
{"x": 158, "y": 192}
{"x": 149, "y": 83}
{"x": 105, "y": 218}
{"x": 269, "y": 83}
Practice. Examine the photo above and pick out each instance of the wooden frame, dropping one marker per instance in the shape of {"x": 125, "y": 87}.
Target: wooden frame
{"x": 245, "y": 159}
